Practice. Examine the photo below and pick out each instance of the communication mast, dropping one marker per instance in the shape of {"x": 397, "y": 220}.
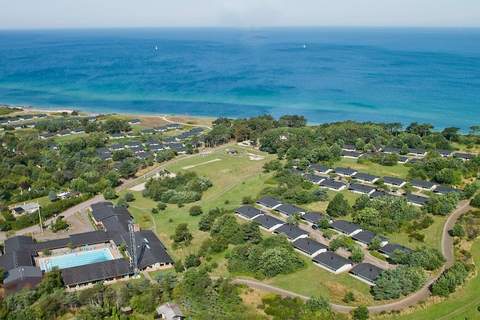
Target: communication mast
{"x": 134, "y": 260}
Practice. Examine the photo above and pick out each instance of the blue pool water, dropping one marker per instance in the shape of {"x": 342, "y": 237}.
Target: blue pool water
{"x": 76, "y": 259}
{"x": 325, "y": 74}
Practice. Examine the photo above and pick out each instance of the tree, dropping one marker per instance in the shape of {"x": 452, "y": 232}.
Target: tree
{"x": 247, "y": 200}
{"x": 182, "y": 235}
{"x": 161, "y": 206}
{"x": 195, "y": 211}
{"x": 251, "y": 232}
{"x": 475, "y": 202}
{"x": 349, "y": 297}
{"x": 394, "y": 283}
{"x": 360, "y": 313}
{"x": 357, "y": 255}
{"x": 109, "y": 194}
{"x": 457, "y": 231}
{"x": 129, "y": 197}
{"x": 293, "y": 121}
{"x": 451, "y": 133}
{"x": 192, "y": 261}
{"x": 52, "y": 196}
{"x": 338, "y": 206}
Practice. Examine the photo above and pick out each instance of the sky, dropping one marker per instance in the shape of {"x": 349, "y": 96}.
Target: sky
{"x": 32, "y": 14}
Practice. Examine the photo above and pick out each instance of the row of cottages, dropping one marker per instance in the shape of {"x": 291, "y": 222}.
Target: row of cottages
{"x": 301, "y": 241}
{"x": 363, "y": 183}
{"x": 19, "y": 252}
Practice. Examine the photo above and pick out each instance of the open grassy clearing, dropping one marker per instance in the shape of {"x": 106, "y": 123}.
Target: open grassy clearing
{"x": 460, "y": 305}
{"x": 433, "y": 235}
{"x": 398, "y": 170}
{"x": 321, "y": 206}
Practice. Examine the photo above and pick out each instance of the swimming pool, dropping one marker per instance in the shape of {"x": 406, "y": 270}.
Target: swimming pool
{"x": 75, "y": 259}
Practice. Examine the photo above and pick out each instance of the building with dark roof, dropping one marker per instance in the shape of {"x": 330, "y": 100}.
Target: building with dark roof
{"x": 291, "y": 231}
{"x": 333, "y": 185}
{"x": 390, "y": 248}
{"x": 445, "y": 153}
{"x": 332, "y": 262}
{"x": 444, "y": 189}
{"x": 95, "y": 272}
{"x": 365, "y": 177}
{"x": 378, "y": 194}
{"x": 361, "y": 188}
{"x": 403, "y": 159}
{"x": 24, "y": 277}
{"x": 309, "y": 246}
{"x": 366, "y": 272}
{"x": 391, "y": 150}
{"x": 320, "y": 169}
{"x": 313, "y": 217}
{"x": 365, "y": 237}
{"x": 346, "y": 227}
{"x": 267, "y": 222}
{"x": 313, "y": 178}
{"x": 417, "y": 152}
{"x": 416, "y": 200}
{"x": 394, "y": 182}
{"x": 151, "y": 253}
{"x": 345, "y": 172}
{"x": 464, "y": 156}
{"x": 289, "y": 210}
{"x": 423, "y": 184}
{"x": 269, "y": 202}
{"x": 248, "y": 212}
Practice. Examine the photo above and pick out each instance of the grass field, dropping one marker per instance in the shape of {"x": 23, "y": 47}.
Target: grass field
{"x": 398, "y": 170}
{"x": 233, "y": 177}
{"x": 461, "y": 305}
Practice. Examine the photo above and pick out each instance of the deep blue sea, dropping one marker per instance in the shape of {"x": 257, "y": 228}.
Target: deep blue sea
{"x": 326, "y": 74}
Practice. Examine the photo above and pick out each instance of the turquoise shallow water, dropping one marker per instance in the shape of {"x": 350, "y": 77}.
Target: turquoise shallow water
{"x": 326, "y": 74}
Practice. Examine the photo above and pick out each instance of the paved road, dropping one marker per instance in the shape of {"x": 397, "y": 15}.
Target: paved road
{"x": 414, "y": 298}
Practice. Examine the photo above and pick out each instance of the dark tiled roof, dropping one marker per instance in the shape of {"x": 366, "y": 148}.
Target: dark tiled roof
{"x": 345, "y": 171}
{"x": 413, "y": 198}
{"x": 390, "y": 248}
{"x": 291, "y": 231}
{"x": 89, "y": 238}
{"x": 443, "y": 189}
{"x": 366, "y": 271}
{"x": 18, "y": 243}
{"x": 150, "y": 250}
{"x": 289, "y": 209}
{"x": 51, "y": 244}
{"x": 269, "y": 202}
{"x": 423, "y": 184}
{"x": 319, "y": 167}
{"x": 313, "y": 217}
{"x": 391, "y": 150}
{"x": 378, "y": 194}
{"x": 313, "y": 178}
{"x": 393, "y": 181}
{"x": 333, "y": 184}
{"x": 267, "y": 221}
{"x": 331, "y": 260}
{"x": 22, "y": 273}
{"x": 361, "y": 188}
{"x": 345, "y": 226}
{"x": 308, "y": 245}
{"x": 96, "y": 272}
{"x": 365, "y": 177}
{"x": 366, "y": 237}
{"x": 16, "y": 259}
{"x": 463, "y": 155}
{"x": 248, "y": 212}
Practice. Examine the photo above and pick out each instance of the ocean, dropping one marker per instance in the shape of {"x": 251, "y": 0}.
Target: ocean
{"x": 325, "y": 74}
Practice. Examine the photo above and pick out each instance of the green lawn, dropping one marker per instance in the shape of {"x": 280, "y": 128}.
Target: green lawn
{"x": 461, "y": 305}
{"x": 233, "y": 177}
{"x": 398, "y": 170}
{"x": 315, "y": 281}
{"x": 433, "y": 235}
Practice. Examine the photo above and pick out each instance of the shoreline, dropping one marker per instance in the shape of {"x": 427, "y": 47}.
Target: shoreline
{"x": 196, "y": 120}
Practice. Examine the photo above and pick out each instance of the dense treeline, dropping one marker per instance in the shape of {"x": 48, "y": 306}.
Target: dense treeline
{"x": 394, "y": 283}
{"x": 450, "y": 279}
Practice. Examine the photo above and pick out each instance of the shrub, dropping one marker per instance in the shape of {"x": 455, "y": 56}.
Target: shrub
{"x": 195, "y": 211}
{"x": 109, "y": 194}
{"x": 129, "y": 197}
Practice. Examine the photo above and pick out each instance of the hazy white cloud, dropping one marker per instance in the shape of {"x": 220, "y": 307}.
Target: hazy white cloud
{"x": 240, "y": 13}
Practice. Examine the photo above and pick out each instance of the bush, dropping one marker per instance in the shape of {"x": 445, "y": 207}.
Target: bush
{"x": 426, "y": 258}
{"x": 349, "y": 297}
{"x": 110, "y": 194}
{"x": 457, "y": 231}
{"x": 394, "y": 283}
{"x": 360, "y": 313}
{"x": 475, "y": 202}
{"x": 161, "y": 206}
{"x": 129, "y": 197}
{"x": 247, "y": 200}
{"x": 450, "y": 280}
{"x": 195, "y": 211}
{"x": 338, "y": 206}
